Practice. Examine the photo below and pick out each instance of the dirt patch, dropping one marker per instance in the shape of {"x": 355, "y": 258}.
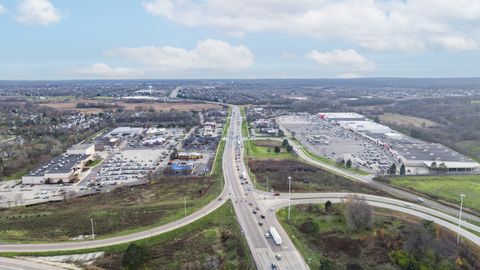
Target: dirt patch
{"x": 335, "y": 245}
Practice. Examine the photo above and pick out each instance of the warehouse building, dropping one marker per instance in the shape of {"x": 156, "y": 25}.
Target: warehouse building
{"x": 124, "y": 132}
{"x": 419, "y": 157}
{"x": 61, "y": 169}
{"x": 341, "y": 116}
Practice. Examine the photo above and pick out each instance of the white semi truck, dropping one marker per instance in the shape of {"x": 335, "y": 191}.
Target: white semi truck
{"x": 275, "y": 236}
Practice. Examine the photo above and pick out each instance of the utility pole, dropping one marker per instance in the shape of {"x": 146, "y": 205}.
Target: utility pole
{"x": 289, "y": 193}
{"x": 93, "y": 231}
{"x": 460, "y": 217}
{"x": 185, "y": 205}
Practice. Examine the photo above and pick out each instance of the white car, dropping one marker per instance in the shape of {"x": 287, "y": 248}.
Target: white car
{"x": 267, "y": 235}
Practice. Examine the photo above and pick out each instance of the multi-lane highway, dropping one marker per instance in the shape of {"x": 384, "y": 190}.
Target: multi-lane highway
{"x": 249, "y": 207}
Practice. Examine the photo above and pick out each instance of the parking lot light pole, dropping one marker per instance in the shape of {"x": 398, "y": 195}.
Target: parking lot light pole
{"x": 460, "y": 217}
{"x": 93, "y": 231}
{"x": 289, "y": 194}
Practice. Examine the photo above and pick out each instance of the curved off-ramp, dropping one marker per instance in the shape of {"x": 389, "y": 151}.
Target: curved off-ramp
{"x": 280, "y": 203}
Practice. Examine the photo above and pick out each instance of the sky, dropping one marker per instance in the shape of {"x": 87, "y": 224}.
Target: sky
{"x": 238, "y": 39}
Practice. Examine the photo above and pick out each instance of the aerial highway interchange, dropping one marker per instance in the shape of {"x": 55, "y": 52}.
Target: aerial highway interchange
{"x": 255, "y": 211}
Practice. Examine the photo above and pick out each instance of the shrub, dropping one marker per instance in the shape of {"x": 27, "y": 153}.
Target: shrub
{"x": 134, "y": 257}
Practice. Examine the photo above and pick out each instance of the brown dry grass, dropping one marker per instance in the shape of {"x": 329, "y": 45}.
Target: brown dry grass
{"x": 406, "y": 120}
{"x": 157, "y": 106}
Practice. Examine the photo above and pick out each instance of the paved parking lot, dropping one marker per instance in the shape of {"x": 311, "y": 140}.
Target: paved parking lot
{"x": 327, "y": 139}
{"x": 14, "y": 194}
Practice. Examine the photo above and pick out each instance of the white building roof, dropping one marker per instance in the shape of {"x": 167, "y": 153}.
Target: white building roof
{"x": 341, "y": 115}
{"x": 366, "y": 126}
{"x": 454, "y": 164}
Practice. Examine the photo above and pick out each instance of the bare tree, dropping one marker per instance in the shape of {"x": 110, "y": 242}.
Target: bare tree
{"x": 358, "y": 213}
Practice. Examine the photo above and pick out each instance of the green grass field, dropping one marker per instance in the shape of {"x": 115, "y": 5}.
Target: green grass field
{"x": 254, "y": 149}
{"x": 444, "y": 187}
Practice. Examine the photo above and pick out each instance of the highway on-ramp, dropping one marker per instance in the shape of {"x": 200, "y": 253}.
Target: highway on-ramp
{"x": 16, "y": 264}
{"x": 376, "y": 201}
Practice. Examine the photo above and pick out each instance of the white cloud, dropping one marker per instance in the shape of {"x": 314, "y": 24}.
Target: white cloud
{"x": 455, "y": 42}
{"x": 206, "y": 56}
{"x": 2, "y": 9}
{"x": 348, "y": 75}
{"x": 41, "y": 12}
{"x": 405, "y": 25}
{"x": 341, "y": 59}
{"x": 105, "y": 71}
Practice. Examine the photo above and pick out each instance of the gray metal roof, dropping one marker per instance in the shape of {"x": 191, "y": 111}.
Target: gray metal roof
{"x": 61, "y": 164}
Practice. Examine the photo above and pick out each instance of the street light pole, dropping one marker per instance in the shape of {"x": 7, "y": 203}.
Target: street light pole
{"x": 460, "y": 217}
{"x": 289, "y": 193}
{"x": 93, "y": 231}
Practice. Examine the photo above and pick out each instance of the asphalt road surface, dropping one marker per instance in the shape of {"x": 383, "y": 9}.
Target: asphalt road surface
{"x": 246, "y": 201}
{"x": 16, "y": 264}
